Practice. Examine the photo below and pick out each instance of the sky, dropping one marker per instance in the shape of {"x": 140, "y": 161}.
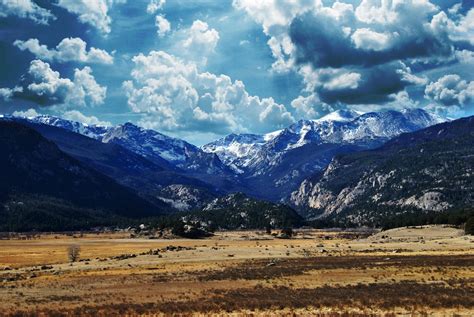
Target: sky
{"x": 202, "y": 69}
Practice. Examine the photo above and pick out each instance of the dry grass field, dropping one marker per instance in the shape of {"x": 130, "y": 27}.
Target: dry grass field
{"x": 400, "y": 272}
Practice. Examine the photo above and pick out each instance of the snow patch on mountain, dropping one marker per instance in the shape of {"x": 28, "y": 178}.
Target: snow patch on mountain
{"x": 244, "y": 151}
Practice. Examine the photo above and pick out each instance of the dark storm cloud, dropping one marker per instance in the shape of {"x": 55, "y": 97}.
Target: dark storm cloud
{"x": 321, "y": 41}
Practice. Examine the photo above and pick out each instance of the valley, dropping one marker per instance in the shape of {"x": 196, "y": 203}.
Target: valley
{"x": 414, "y": 270}
{"x": 251, "y": 158}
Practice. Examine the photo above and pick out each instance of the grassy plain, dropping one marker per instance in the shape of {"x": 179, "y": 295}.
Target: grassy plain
{"x": 407, "y": 271}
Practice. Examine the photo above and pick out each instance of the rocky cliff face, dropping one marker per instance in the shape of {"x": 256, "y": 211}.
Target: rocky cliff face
{"x": 430, "y": 170}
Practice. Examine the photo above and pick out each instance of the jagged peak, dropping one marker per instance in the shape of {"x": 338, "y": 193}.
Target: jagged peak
{"x": 341, "y": 115}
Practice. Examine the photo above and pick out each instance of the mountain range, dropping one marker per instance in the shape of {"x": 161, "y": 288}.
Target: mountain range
{"x": 266, "y": 166}
{"x": 287, "y": 165}
{"x": 274, "y": 164}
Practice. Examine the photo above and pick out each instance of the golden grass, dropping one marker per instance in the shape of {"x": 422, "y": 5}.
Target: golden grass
{"x": 426, "y": 271}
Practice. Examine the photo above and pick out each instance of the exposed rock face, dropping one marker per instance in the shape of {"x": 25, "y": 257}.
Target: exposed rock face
{"x": 274, "y": 164}
{"x": 430, "y": 170}
{"x": 185, "y": 198}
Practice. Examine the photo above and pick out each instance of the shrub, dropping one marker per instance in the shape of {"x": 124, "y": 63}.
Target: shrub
{"x": 73, "y": 252}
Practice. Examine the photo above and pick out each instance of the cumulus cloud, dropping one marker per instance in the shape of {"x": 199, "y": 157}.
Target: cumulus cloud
{"x": 201, "y": 39}
{"x": 94, "y": 13}
{"x": 377, "y": 84}
{"x": 275, "y": 17}
{"x": 7, "y": 93}
{"x": 25, "y": 9}
{"x": 173, "y": 95}
{"x": 368, "y": 39}
{"x": 155, "y": 5}
{"x": 358, "y": 53}
{"x": 30, "y": 113}
{"x": 465, "y": 56}
{"x": 78, "y": 116}
{"x": 460, "y": 30}
{"x": 451, "y": 90}
{"x": 311, "y": 107}
{"x": 322, "y": 40}
{"x": 48, "y": 88}
{"x": 69, "y": 49}
{"x": 163, "y": 25}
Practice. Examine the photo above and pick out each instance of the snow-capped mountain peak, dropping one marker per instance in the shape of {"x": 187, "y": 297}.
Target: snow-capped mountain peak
{"x": 92, "y": 131}
{"x": 163, "y": 150}
{"x": 241, "y": 151}
{"x": 149, "y": 143}
{"x": 342, "y": 115}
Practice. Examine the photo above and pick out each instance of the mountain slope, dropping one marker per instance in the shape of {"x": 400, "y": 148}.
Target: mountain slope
{"x": 161, "y": 149}
{"x": 430, "y": 170}
{"x": 32, "y": 166}
{"x": 237, "y": 211}
{"x": 166, "y": 152}
{"x": 115, "y": 161}
{"x": 268, "y": 166}
{"x": 273, "y": 165}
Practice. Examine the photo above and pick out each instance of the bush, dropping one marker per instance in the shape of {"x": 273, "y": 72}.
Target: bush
{"x": 73, "y": 252}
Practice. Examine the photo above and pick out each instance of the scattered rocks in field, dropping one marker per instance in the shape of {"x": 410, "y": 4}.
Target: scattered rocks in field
{"x": 46, "y": 267}
{"x": 123, "y": 257}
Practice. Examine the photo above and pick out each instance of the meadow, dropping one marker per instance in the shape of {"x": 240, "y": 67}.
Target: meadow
{"x": 404, "y": 271}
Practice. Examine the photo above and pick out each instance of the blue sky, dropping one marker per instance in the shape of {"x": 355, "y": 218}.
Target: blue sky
{"x": 202, "y": 69}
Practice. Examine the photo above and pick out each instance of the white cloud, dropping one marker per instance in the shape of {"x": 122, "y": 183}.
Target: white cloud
{"x": 94, "y": 13}
{"x": 465, "y": 56}
{"x": 329, "y": 78}
{"x": 275, "y": 17}
{"x": 346, "y": 80}
{"x": 69, "y": 49}
{"x": 155, "y": 5}
{"x": 173, "y": 95}
{"x": 82, "y": 91}
{"x": 48, "y": 82}
{"x": 30, "y": 113}
{"x": 7, "y": 93}
{"x": 75, "y": 115}
{"x": 461, "y": 30}
{"x": 310, "y": 107}
{"x": 392, "y": 12}
{"x": 273, "y": 14}
{"x": 25, "y": 9}
{"x": 338, "y": 46}
{"x": 199, "y": 39}
{"x": 401, "y": 100}
{"x": 367, "y": 39}
{"x": 451, "y": 90}
{"x": 163, "y": 25}
{"x": 87, "y": 91}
